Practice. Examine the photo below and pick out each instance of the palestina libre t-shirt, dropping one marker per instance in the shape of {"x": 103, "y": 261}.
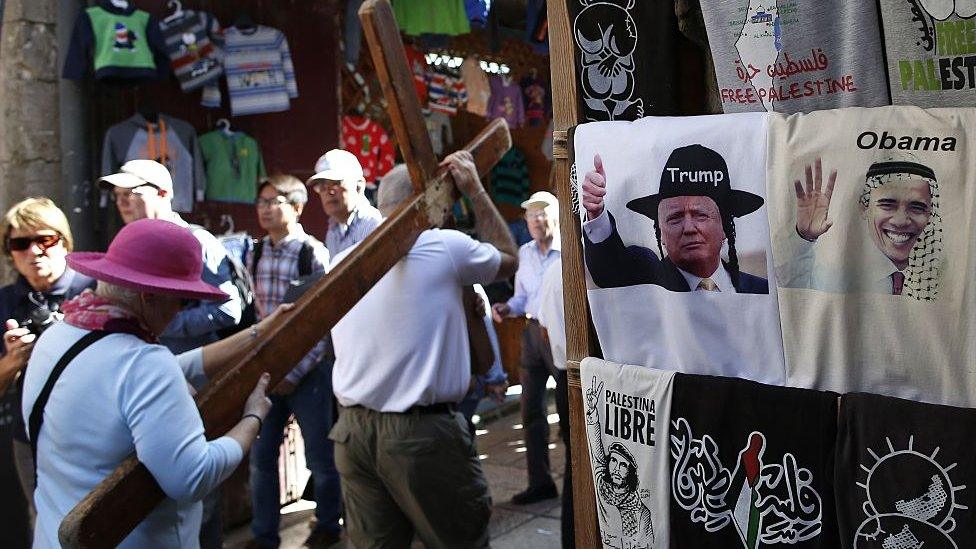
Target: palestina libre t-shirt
{"x": 794, "y": 56}
{"x": 931, "y": 51}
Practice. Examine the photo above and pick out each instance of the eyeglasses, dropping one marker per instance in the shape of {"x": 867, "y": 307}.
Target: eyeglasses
{"x": 269, "y": 202}
{"x": 529, "y": 216}
{"x": 126, "y": 194}
{"x": 43, "y": 241}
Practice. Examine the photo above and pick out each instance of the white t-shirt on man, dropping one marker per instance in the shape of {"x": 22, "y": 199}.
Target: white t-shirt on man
{"x": 406, "y": 342}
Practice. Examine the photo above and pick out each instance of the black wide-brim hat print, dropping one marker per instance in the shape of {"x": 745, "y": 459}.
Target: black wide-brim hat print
{"x": 695, "y": 170}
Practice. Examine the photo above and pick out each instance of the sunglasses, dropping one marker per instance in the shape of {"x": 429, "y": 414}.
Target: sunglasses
{"x": 43, "y": 241}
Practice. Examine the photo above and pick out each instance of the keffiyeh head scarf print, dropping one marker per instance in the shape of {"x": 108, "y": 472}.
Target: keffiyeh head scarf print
{"x": 925, "y": 261}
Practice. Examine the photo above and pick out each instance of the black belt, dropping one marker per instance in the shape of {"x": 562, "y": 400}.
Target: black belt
{"x": 438, "y": 408}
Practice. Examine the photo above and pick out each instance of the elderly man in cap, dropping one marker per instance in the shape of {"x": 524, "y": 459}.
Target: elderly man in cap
{"x": 340, "y": 184}
{"x": 143, "y": 189}
{"x": 542, "y": 217}
{"x": 693, "y": 215}
{"x": 99, "y": 388}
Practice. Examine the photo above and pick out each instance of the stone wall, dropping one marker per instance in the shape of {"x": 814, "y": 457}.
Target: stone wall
{"x": 29, "y": 120}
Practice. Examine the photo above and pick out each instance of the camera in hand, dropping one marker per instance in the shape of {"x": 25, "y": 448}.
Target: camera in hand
{"x": 42, "y": 315}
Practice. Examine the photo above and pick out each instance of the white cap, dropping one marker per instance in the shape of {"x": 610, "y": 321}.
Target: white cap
{"x": 541, "y": 198}
{"x": 136, "y": 173}
{"x": 337, "y": 165}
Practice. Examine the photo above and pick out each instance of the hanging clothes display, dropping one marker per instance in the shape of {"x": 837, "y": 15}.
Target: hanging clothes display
{"x": 416, "y": 17}
{"x": 931, "y": 52}
{"x": 193, "y": 39}
{"x": 506, "y": 101}
{"x": 446, "y": 93}
{"x": 370, "y": 143}
{"x": 418, "y": 67}
{"x": 535, "y": 96}
{"x": 259, "y": 71}
{"x": 627, "y": 410}
{"x": 510, "y": 178}
{"x": 169, "y": 141}
{"x": 234, "y": 166}
{"x": 476, "y": 82}
{"x": 123, "y": 46}
{"x": 797, "y": 56}
{"x": 905, "y": 474}
{"x": 746, "y": 474}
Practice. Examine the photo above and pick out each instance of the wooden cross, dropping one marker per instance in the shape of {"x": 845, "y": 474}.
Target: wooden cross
{"x": 120, "y": 502}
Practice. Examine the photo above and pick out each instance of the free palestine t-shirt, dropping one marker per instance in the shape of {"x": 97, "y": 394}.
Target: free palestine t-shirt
{"x": 931, "y": 51}
{"x": 795, "y": 55}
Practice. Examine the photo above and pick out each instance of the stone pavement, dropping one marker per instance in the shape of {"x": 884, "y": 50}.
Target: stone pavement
{"x": 503, "y": 457}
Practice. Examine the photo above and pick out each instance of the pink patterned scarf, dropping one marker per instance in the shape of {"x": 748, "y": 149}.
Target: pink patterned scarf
{"x": 91, "y": 312}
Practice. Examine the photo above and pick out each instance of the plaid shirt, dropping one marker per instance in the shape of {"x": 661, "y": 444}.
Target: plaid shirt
{"x": 276, "y": 269}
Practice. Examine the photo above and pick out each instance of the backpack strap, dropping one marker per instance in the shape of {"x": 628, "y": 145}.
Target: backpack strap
{"x": 305, "y": 259}
{"x": 37, "y": 412}
{"x": 256, "y": 255}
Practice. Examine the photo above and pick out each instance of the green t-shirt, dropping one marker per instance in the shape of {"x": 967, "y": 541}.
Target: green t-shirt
{"x": 120, "y": 40}
{"x": 234, "y": 166}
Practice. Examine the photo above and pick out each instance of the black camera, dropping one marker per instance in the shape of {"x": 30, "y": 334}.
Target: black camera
{"x": 42, "y": 315}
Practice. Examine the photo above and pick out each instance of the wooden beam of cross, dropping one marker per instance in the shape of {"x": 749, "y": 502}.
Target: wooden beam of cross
{"x": 120, "y": 502}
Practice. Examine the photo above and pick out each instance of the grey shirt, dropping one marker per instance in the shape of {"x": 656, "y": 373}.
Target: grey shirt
{"x": 931, "y": 53}
{"x": 795, "y": 56}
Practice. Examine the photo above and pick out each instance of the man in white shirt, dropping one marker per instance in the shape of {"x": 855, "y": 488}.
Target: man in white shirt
{"x": 542, "y": 218}
{"x": 553, "y": 321}
{"x": 407, "y": 462}
{"x": 899, "y": 202}
{"x": 341, "y": 186}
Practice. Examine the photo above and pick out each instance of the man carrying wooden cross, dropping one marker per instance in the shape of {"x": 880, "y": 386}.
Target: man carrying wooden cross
{"x": 407, "y": 462}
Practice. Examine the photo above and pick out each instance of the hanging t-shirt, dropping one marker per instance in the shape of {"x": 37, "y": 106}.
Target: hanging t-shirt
{"x": 535, "y": 97}
{"x": 626, "y": 58}
{"x": 192, "y": 41}
{"x": 476, "y": 81}
{"x": 875, "y": 284}
{"x": 446, "y": 93}
{"x": 510, "y": 178}
{"x": 122, "y": 45}
{"x": 627, "y": 412}
{"x": 439, "y": 130}
{"x": 234, "y": 166}
{"x": 169, "y": 141}
{"x": 905, "y": 474}
{"x": 704, "y": 305}
{"x": 370, "y": 143}
{"x": 416, "y": 17}
{"x": 931, "y": 51}
{"x": 260, "y": 74}
{"x": 795, "y": 56}
{"x": 506, "y": 101}
{"x": 751, "y": 465}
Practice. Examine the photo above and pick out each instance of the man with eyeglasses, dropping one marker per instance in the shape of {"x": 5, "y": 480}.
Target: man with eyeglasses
{"x": 36, "y": 240}
{"x": 143, "y": 189}
{"x": 286, "y": 254}
{"x": 542, "y": 218}
{"x": 340, "y": 184}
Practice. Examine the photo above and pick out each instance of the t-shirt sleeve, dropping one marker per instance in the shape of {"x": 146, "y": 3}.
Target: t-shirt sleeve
{"x": 475, "y": 262}
{"x": 79, "y": 55}
{"x": 167, "y": 430}
{"x": 191, "y": 362}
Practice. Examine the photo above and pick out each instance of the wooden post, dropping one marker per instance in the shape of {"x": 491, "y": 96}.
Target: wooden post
{"x": 580, "y": 342}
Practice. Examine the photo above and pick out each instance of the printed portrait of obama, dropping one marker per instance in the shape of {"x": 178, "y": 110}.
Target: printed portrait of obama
{"x": 693, "y": 216}
{"x": 898, "y": 204}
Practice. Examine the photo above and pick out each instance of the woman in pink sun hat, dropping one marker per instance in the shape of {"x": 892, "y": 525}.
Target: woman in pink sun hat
{"x": 99, "y": 387}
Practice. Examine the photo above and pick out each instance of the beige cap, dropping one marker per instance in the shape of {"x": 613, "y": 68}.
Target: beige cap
{"x": 541, "y": 198}
{"x": 136, "y": 173}
{"x": 337, "y": 165}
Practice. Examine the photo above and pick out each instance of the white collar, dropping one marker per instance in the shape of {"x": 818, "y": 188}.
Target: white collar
{"x": 879, "y": 266}
{"x": 720, "y": 277}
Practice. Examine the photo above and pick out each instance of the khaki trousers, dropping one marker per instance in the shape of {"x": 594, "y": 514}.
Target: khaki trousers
{"x": 410, "y": 473}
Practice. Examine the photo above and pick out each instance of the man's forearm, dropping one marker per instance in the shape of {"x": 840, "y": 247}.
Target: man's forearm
{"x": 490, "y": 224}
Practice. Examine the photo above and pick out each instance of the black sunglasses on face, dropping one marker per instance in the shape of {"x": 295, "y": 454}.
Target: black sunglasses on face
{"x": 43, "y": 241}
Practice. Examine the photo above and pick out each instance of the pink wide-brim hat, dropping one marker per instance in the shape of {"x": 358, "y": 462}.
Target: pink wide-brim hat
{"x": 150, "y": 255}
